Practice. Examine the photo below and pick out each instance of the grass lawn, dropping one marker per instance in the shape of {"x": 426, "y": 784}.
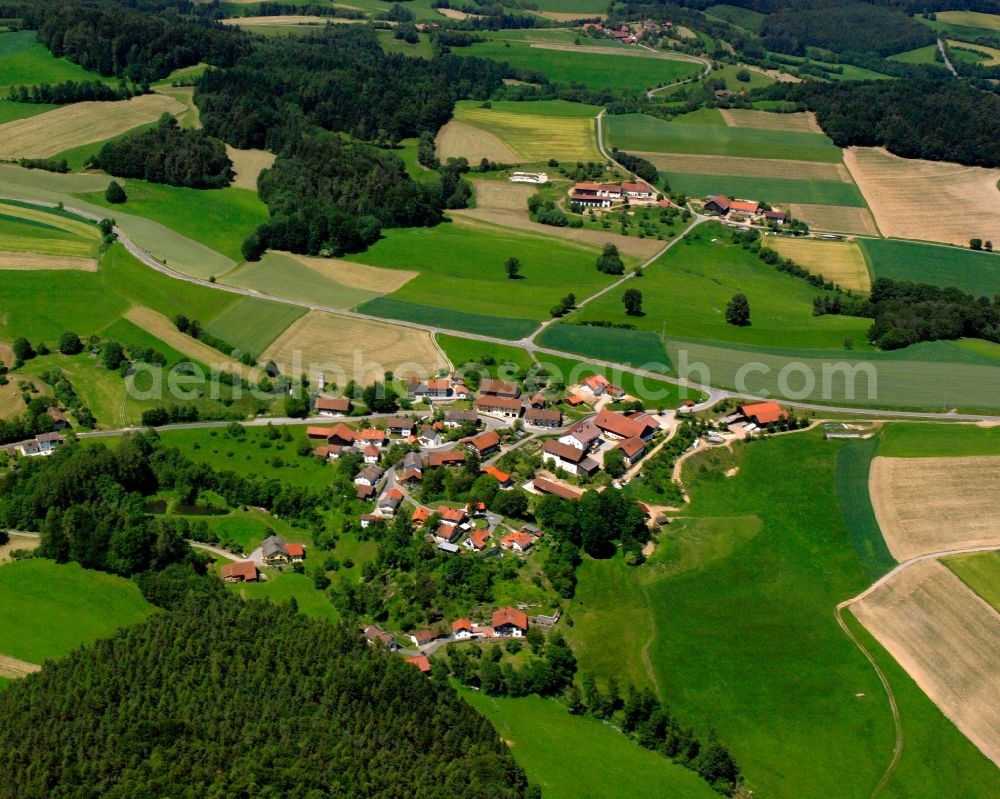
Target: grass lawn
{"x": 686, "y": 291}
{"x": 391, "y": 44}
{"x": 282, "y": 587}
{"x": 853, "y": 464}
{"x": 977, "y": 273}
{"x": 218, "y": 218}
{"x": 407, "y": 153}
{"x": 746, "y": 640}
{"x": 9, "y": 112}
{"x": 595, "y": 69}
{"x": 462, "y": 267}
{"x": 23, "y": 61}
{"x": 741, "y": 17}
{"x": 728, "y": 73}
{"x": 572, "y": 757}
{"x": 249, "y": 528}
{"x": 248, "y": 457}
{"x": 463, "y": 350}
{"x": 251, "y": 324}
{"x": 644, "y": 133}
{"x": 772, "y": 190}
{"x": 929, "y": 440}
{"x": 50, "y": 609}
{"x": 538, "y": 130}
{"x": 981, "y": 572}
{"x": 922, "y": 55}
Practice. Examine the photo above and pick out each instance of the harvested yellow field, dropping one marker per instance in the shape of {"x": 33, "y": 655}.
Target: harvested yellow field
{"x": 802, "y": 122}
{"x": 279, "y": 21}
{"x": 534, "y": 137}
{"x": 519, "y": 220}
{"x": 495, "y": 194}
{"x": 839, "y": 261}
{"x": 929, "y": 200}
{"x": 970, "y": 19}
{"x": 74, "y": 125}
{"x": 836, "y": 218}
{"x": 926, "y": 505}
{"x": 453, "y": 13}
{"x": 565, "y": 16}
{"x": 160, "y": 326}
{"x": 85, "y": 230}
{"x": 356, "y": 276}
{"x": 992, "y": 53}
{"x": 461, "y": 140}
{"x": 346, "y": 349}
{"x": 34, "y": 261}
{"x": 738, "y": 166}
{"x": 777, "y": 74}
{"x": 247, "y": 164}
{"x": 948, "y": 640}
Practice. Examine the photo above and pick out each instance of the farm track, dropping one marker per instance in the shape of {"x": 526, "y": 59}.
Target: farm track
{"x": 528, "y": 343}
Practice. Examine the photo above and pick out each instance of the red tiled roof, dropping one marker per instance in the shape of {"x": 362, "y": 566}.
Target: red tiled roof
{"x": 637, "y": 187}
{"x": 421, "y": 662}
{"x": 372, "y": 434}
{"x": 503, "y": 477}
{"x": 295, "y": 550}
{"x": 394, "y": 493}
{"x": 485, "y": 441}
{"x": 479, "y": 537}
{"x": 439, "y": 385}
{"x": 450, "y": 457}
{"x": 631, "y": 446}
{"x": 424, "y": 636}
{"x": 342, "y": 404}
{"x": 245, "y": 569}
{"x": 575, "y": 400}
{"x": 319, "y": 432}
{"x": 564, "y": 451}
{"x": 619, "y": 425}
{"x": 597, "y": 381}
{"x": 763, "y": 412}
{"x": 503, "y": 403}
{"x": 461, "y": 624}
{"x": 420, "y": 515}
{"x": 558, "y": 489}
{"x": 510, "y": 616}
{"x": 456, "y": 515}
{"x": 501, "y": 387}
{"x": 523, "y": 540}
{"x": 543, "y": 415}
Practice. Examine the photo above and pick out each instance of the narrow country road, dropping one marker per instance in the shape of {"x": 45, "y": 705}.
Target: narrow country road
{"x": 944, "y": 55}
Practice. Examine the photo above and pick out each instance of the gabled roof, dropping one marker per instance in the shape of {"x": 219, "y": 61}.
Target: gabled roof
{"x": 372, "y": 473}
{"x": 585, "y": 432}
{"x": 513, "y": 616}
{"x": 504, "y": 403}
{"x": 421, "y": 662}
{"x": 543, "y": 415}
{"x": 455, "y": 515}
{"x": 631, "y": 446}
{"x": 479, "y": 537}
{"x": 424, "y": 636}
{"x": 399, "y": 422}
{"x": 420, "y": 515}
{"x": 339, "y": 404}
{"x": 562, "y": 490}
{"x": 624, "y": 426}
{"x": 372, "y": 434}
{"x": 763, "y": 412}
{"x": 449, "y": 457}
{"x": 493, "y": 471}
{"x": 523, "y": 540}
{"x": 273, "y": 544}
{"x": 563, "y": 451}
{"x": 295, "y": 550}
{"x": 461, "y": 624}
{"x": 245, "y": 569}
{"x": 484, "y": 441}
{"x": 499, "y": 387}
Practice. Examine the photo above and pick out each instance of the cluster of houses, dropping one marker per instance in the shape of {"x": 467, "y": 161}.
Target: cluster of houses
{"x": 275, "y": 552}
{"x": 40, "y": 445}
{"x": 629, "y": 432}
{"x": 605, "y": 195}
{"x": 743, "y": 210}
{"x": 503, "y": 400}
{"x": 504, "y": 623}
{"x": 629, "y": 33}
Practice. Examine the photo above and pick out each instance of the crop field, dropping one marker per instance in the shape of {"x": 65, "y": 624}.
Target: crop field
{"x": 465, "y": 140}
{"x": 790, "y": 193}
{"x": 911, "y": 496}
{"x": 654, "y": 393}
{"x": 915, "y": 199}
{"x": 217, "y": 218}
{"x": 948, "y": 639}
{"x": 836, "y": 218}
{"x": 462, "y": 267}
{"x": 30, "y": 261}
{"x": 251, "y": 324}
{"x": 502, "y": 195}
{"x": 247, "y": 164}
{"x": 922, "y": 440}
{"x": 805, "y": 715}
{"x": 80, "y": 123}
{"x": 970, "y": 19}
{"x": 843, "y": 262}
{"x": 507, "y": 327}
{"x": 353, "y": 349}
{"x": 50, "y": 609}
{"x": 738, "y": 166}
{"x": 981, "y": 572}
{"x": 977, "y": 273}
{"x": 537, "y": 131}
{"x": 23, "y": 61}
{"x": 685, "y": 294}
{"x": 990, "y": 56}
{"x": 324, "y": 281}
{"x": 639, "y": 348}
{"x": 642, "y": 133}
{"x": 573, "y": 757}
{"x": 36, "y": 239}
{"x": 598, "y": 68}
{"x": 801, "y": 121}
{"x": 464, "y": 350}
{"x": 853, "y": 467}
{"x": 588, "y": 8}
{"x": 743, "y": 17}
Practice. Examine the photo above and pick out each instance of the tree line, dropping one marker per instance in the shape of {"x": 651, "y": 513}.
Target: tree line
{"x": 70, "y": 91}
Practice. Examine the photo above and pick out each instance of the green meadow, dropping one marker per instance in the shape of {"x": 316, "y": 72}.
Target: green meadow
{"x": 573, "y": 6}
{"x": 929, "y": 440}
{"x": 744, "y": 638}
{"x": 741, "y": 17}
{"x": 728, "y": 73}
{"x": 639, "y": 132}
{"x": 977, "y": 273}
{"x": 773, "y": 190}
{"x": 981, "y": 572}
{"x": 853, "y": 466}
{"x": 638, "y": 348}
{"x": 596, "y": 70}
{"x": 686, "y": 291}
{"x": 464, "y": 350}
{"x": 218, "y": 218}
{"x": 9, "y": 112}
{"x": 437, "y": 316}
{"x": 391, "y": 44}
{"x": 23, "y": 61}
{"x": 251, "y": 323}
{"x": 462, "y": 267}
{"x": 282, "y": 588}
{"x": 572, "y": 757}
{"x": 50, "y": 609}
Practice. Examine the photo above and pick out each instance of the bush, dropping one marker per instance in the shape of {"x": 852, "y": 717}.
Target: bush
{"x": 115, "y": 193}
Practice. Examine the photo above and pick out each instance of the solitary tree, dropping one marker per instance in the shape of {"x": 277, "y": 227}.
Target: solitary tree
{"x": 22, "y": 351}
{"x": 738, "y": 311}
{"x": 610, "y": 261}
{"x": 69, "y": 343}
{"x": 115, "y": 193}
{"x": 633, "y": 302}
{"x": 975, "y": 244}
{"x": 513, "y": 268}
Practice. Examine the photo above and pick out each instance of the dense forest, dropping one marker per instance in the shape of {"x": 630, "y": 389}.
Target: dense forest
{"x": 168, "y": 153}
{"x": 241, "y": 699}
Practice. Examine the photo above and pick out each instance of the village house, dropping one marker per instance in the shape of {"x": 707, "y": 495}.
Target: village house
{"x": 275, "y": 552}
{"x": 543, "y": 417}
{"x": 377, "y": 636}
{"x": 583, "y": 437}
{"x": 363, "y": 492}
{"x": 485, "y": 443}
{"x": 451, "y": 457}
{"x": 510, "y": 621}
{"x": 368, "y": 519}
{"x": 637, "y": 191}
{"x": 615, "y": 426}
{"x": 330, "y": 451}
{"x": 369, "y": 476}
{"x": 332, "y": 406}
{"x": 499, "y": 388}
{"x": 421, "y": 662}
{"x": 569, "y": 459}
{"x": 505, "y": 480}
{"x": 41, "y": 445}
{"x": 545, "y": 486}
{"x": 429, "y": 437}
{"x": 517, "y": 542}
{"x": 632, "y": 449}
{"x": 423, "y": 637}
{"x": 370, "y": 437}
{"x": 575, "y": 401}
{"x": 538, "y": 401}
{"x": 399, "y": 426}
{"x": 243, "y": 572}
{"x": 477, "y": 539}
{"x": 724, "y": 206}
{"x": 504, "y": 407}
{"x": 341, "y": 435}
{"x": 390, "y": 502}
{"x": 420, "y": 515}
{"x": 595, "y": 384}
{"x": 461, "y": 629}
{"x": 461, "y": 391}
{"x": 777, "y": 216}
{"x": 458, "y": 418}
{"x": 371, "y": 454}
{"x": 59, "y": 420}
{"x": 411, "y": 469}
{"x": 439, "y": 389}
{"x": 762, "y": 413}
